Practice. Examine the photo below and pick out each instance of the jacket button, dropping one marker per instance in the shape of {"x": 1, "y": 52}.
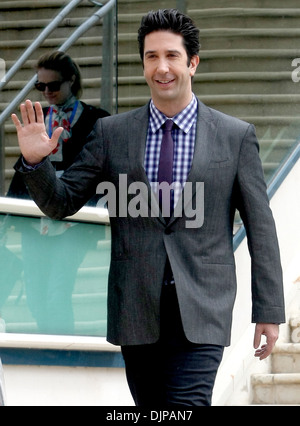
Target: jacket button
{"x": 168, "y": 231}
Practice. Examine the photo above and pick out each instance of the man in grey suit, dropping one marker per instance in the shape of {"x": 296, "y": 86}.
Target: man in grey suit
{"x": 172, "y": 280}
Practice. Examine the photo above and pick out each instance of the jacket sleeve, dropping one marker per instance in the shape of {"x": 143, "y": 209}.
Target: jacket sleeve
{"x": 61, "y": 197}
{"x": 253, "y": 204}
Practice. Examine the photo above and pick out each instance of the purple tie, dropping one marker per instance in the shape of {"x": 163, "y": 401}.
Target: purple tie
{"x": 165, "y": 168}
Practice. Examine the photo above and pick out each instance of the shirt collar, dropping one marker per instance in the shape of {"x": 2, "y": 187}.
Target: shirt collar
{"x": 184, "y": 120}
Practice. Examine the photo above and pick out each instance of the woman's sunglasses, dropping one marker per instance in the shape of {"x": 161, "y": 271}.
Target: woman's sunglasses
{"x": 54, "y": 86}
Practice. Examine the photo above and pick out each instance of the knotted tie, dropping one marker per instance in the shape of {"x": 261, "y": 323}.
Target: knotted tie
{"x": 165, "y": 168}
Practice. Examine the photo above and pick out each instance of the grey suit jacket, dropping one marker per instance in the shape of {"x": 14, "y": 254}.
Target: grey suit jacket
{"x": 226, "y": 160}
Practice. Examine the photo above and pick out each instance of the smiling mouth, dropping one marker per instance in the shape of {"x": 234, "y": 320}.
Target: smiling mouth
{"x": 164, "y": 82}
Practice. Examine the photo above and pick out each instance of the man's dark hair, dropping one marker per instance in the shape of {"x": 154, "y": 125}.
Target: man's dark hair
{"x": 170, "y": 20}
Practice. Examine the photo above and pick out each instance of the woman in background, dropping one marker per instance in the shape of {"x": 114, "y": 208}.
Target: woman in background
{"x": 49, "y": 285}
{"x": 59, "y": 79}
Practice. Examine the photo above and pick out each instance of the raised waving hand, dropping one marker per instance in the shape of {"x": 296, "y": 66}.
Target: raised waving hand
{"x": 34, "y": 141}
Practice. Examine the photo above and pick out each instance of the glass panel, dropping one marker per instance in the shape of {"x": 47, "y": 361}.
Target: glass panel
{"x": 53, "y": 276}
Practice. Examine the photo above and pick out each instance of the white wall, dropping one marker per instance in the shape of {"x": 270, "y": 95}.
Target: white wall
{"x": 66, "y": 386}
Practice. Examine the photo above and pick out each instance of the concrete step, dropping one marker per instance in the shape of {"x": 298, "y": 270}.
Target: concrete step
{"x": 243, "y": 60}
{"x": 245, "y": 17}
{"x": 286, "y": 358}
{"x": 276, "y": 389}
{"x": 16, "y": 9}
{"x": 231, "y": 38}
{"x": 269, "y": 4}
{"x": 282, "y": 385}
{"x": 251, "y": 38}
{"x": 142, "y": 5}
{"x": 85, "y": 46}
{"x": 221, "y": 17}
{"x": 29, "y": 27}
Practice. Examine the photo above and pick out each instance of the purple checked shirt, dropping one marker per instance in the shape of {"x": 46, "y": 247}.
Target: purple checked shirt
{"x": 183, "y": 134}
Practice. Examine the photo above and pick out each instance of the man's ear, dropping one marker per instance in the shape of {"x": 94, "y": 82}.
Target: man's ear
{"x": 195, "y": 60}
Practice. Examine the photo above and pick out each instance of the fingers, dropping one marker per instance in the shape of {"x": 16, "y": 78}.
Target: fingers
{"x": 257, "y": 338}
{"x": 56, "y": 135}
{"x": 29, "y": 114}
{"x": 39, "y": 112}
{"x": 263, "y": 352}
{"x": 24, "y": 115}
{"x": 16, "y": 121}
{"x": 271, "y": 332}
{"x": 30, "y": 111}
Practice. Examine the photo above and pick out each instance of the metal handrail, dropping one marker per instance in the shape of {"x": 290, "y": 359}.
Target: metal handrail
{"x": 28, "y": 208}
{"x": 96, "y": 3}
{"x": 65, "y": 46}
{"x": 40, "y": 39}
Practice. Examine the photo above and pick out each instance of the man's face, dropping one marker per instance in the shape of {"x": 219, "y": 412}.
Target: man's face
{"x": 167, "y": 71}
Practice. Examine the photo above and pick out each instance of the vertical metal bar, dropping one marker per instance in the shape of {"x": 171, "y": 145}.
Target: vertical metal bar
{"x": 2, "y": 161}
{"x": 107, "y": 62}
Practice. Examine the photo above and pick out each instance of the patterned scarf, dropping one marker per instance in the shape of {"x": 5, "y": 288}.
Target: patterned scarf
{"x": 65, "y": 116}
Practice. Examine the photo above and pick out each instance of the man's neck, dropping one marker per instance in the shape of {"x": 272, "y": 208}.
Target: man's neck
{"x": 171, "y": 109}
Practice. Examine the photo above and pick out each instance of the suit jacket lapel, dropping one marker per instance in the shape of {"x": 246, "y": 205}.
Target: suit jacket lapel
{"x": 137, "y": 133}
{"x": 204, "y": 143}
{"x": 205, "y": 136}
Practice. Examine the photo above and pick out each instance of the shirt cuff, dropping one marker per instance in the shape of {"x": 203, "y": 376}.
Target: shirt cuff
{"x": 30, "y": 168}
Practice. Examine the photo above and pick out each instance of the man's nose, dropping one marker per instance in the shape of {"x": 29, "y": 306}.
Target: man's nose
{"x": 163, "y": 65}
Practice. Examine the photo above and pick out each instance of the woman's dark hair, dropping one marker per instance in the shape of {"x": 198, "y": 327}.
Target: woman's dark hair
{"x": 62, "y": 63}
{"x": 170, "y": 20}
